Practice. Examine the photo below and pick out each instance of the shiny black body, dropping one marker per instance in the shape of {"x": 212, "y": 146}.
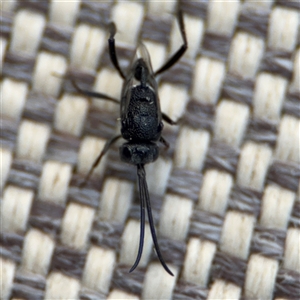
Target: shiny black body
{"x": 141, "y": 123}
{"x": 141, "y": 118}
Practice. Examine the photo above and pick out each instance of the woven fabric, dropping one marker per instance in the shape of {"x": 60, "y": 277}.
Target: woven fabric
{"x": 224, "y": 195}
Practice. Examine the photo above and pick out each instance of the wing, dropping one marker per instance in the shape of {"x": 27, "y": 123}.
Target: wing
{"x": 141, "y": 64}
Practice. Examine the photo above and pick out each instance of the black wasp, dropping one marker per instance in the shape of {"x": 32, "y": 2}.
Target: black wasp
{"x": 141, "y": 122}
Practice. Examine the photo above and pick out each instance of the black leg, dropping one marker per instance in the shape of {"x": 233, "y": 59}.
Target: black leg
{"x": 93, "y": 94}
{"x": 168, "y": 119}
{"x": 112, "y": 49}
{"x": 173, "y": 59}
{"x": 88, "y": 93}
{"x": 163, "y": 141}
{"x": 97, "y": 161}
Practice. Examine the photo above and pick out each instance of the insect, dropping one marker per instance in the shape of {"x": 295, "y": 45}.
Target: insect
{"x": 141, "y": 123}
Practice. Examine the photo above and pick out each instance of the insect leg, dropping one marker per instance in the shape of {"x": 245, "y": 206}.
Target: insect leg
{"x": 174, "y": 58}
{"x": 85, "y": 92}
{"x": 171, "y": 122}
{"x": 163, "y": 141}
{"x": 112, "y": 49}
{"x": 93, "y": 94}
{"x": 144, "y": 193}
{"x": 168, "y": 119}
{"x": 97, "y": 161}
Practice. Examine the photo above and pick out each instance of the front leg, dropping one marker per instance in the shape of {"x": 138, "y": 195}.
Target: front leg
{"x": 112, "y": 49}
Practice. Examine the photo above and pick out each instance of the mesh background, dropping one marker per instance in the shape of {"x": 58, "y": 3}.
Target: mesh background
{"x": 225, "y": 195}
